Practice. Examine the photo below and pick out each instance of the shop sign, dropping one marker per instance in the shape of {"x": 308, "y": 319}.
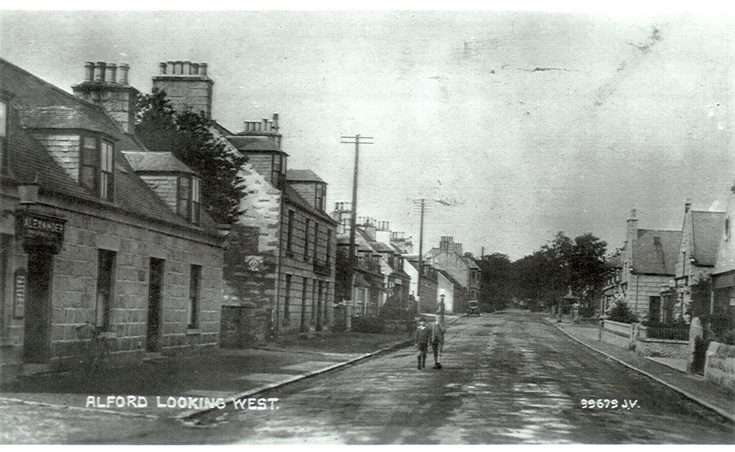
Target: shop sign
{"x": 41, "y": 230}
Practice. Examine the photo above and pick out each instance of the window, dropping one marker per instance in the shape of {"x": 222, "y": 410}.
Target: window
{"x": 97, "y": 167}
{"x": 313, "y": 303}
{"x": 727, "y": 229}
{"x": 289, "y": 233}
{"x": 279, "y": 170}
{"x": 329, "y": 247}
{"x": 3, "y": 137}
{"x": 287, "y": 302}
{"x": 316, "y": 242}
{"x": 319, "y": 197}
{"x": 105, "y": 286}
{"x": 188, "y": 204}
{"x": 306, "y": 240}
{"x": 195, "y": 282}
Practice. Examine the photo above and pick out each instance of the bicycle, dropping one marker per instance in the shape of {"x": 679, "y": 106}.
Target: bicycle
{"x": 94, "y": 346}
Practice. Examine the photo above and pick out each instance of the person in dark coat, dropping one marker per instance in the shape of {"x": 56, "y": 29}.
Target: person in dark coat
{"x": 437, "y": 341}
{"x": 423, "y": 338}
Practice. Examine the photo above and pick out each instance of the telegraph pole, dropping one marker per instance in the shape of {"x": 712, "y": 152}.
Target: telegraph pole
{"x": 357, "y": 140}
{"x": 422, "y": 206}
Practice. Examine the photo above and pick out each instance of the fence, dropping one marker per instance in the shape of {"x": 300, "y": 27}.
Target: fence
{"x": 665, "y": 332}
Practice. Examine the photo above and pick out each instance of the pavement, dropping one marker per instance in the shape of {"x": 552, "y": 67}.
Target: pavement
{"x": 670, "y": 372}
{"x": 184, "y": 386}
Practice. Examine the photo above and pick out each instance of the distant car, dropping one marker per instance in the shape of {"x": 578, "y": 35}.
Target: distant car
{"x": 473, "y": 309}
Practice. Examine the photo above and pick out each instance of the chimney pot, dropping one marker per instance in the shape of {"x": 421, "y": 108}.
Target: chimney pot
{"x": 687, "y": 205}
{"x": 124, "y": 68}
{"x": 162, "y": 67}
{"x": 88, "y": 71}
{"x": 100, "y": 72}
{"x": 195, "y": 68}
{"x": 172, "y": 67}
{"x": 112, "y": 73}
{"x": 632, "y": 213}
{"x": 203, "y": 69}
{"x": 186, "y": 68}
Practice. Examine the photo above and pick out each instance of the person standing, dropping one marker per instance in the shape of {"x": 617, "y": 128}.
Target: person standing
{"x": 437, "y": 341}
{"x": 423, "y": 338}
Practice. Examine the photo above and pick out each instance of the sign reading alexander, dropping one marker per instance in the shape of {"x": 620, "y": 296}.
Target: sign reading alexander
{"x": 41, "y": 230}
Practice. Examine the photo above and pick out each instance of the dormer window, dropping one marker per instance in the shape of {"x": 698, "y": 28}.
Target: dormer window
{"x": 278, "y": 175}
{"x": 97, "y": 167}
{"x": 188, "y": 203}
{"x": 3, "y": 137}
{"x": 319, "y": 196}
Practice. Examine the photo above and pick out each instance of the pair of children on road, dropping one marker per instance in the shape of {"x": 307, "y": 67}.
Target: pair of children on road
{"x": 433, "y": 335}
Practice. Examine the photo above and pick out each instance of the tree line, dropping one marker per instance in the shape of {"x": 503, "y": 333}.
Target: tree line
{"x": 545, "y": 277}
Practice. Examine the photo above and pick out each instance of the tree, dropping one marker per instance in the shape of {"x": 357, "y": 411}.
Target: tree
{"x": 495, "y": 281}
{"x": 188, "y": 135}
{"x": 587, "y": 267}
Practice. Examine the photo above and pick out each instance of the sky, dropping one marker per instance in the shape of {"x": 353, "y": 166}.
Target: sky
{"x": 512, "y": 125}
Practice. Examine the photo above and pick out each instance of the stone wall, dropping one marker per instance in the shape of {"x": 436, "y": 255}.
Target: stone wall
{"x": 720, "y": 365}
{"x": 134, "y": 241}
{"x": 662, "y": 348}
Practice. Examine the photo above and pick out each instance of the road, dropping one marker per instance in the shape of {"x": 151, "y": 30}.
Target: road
{"x": 507, "y": 379}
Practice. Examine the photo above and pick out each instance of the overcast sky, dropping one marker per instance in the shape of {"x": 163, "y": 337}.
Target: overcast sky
{"x": 515, "y": 125}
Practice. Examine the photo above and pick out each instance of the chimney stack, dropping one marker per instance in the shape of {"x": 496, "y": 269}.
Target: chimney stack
{"x": 99, "y": 74}
{"x": 101, "y": 86}
{"x": 88, "y": 71}
{"x": 186, "y": 85}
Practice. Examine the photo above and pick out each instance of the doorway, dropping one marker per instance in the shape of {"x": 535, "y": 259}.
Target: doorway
{"x": 155, "y": 298}
{"x": 37, "y": 310}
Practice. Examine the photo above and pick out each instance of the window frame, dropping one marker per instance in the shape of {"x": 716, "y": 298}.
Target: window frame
{"x": 103, "y": 305}
{"x": 306, "y": 239}
{"x": 287, "y": 302}
{"x": 101, "y": 161}
{"x": 195, "y": 296}
{"x": 289, "y": 232}
{"x": 319, "y": 195}
{"x": 4, "y": 132}
{"x": 189, "y": 205}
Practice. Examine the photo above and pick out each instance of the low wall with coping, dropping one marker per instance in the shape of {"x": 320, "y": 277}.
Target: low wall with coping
{"x": 720, "y": 364}
{"x": 663, "y": 348}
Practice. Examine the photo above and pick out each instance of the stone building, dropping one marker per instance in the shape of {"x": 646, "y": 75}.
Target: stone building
{"x": 426, "y": 292}
{"x": 648, "y": 263}
{"x": 85, "y": 240}
{"x": 279, "y": 264}
{"x": 723, "y": 274}
{"x": 700, "y": 240}
{"x": 450, "y": 258}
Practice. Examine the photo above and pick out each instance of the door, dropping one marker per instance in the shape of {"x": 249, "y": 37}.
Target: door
{"x": 654, "y": 309}
{"x": 37, "y": 314}
{"x": 155, "y": 298}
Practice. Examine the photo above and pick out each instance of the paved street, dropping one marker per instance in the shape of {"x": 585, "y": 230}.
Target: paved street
{"x": 507, "y": 378}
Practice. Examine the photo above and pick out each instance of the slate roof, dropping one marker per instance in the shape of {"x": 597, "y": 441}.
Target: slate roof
{"x": 294, "y": 197}
{"x": 655, "y": 251}
{"x": 42, "y": 104}
{"x": 253, "y": 144}
{"x": 61, "y": 117}
{"x": 156, "y": 162}
{"x": 450, "y": 278}
{"x": 305, "y": 175}
{"x": 707, "y": 231}
{"x": 615, "y": 261}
